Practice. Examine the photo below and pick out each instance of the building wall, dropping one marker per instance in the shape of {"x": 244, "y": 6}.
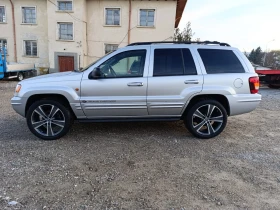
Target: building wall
{"x": 99, "y": 34}
{"x": 78, "y": 45}
{"x": 38, "y": 32}
{"x": 90, "y": 32}
{"x": 6, "y": 30}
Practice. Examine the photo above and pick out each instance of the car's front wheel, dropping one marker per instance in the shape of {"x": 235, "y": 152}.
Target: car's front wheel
{"x": 48, "y": 119}
{"x": 206, "y": 119}
{"x": 20, "y": 76}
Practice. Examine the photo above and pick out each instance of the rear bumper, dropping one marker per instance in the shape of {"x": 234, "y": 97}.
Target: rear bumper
{"x": 243, "y": 103}
{"x": 18, "y": 105}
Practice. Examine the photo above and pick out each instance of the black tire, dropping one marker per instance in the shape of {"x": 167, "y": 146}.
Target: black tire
{"x": 274, "y": 86}
{"x": 56, "y": 125}
{"x": 202, "y": 126}
{"x": 20, "y": 76}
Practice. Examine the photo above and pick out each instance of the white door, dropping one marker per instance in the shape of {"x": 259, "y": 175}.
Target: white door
{"x": 121, "y": 90}
{"x": 174, "y": 76}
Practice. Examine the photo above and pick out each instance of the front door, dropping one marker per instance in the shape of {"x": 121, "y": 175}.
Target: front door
{"x": 66, "y": 63}
{"x": 121, "y": 89}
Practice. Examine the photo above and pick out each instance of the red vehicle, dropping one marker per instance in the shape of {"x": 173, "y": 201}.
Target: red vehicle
{"x": 271, "y": 77}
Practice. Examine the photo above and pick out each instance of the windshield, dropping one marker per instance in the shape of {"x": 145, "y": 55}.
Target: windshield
{"x": 87, "y": 67}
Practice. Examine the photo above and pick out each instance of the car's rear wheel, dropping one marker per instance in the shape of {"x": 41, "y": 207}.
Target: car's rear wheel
{"x": 206, "y": 119}
{"x": 48, "y": 119}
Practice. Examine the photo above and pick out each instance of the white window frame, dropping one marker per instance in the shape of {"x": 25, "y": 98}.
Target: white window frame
{"x": 105, "y": 44}
{"x": 24, "y": 48}
{"x": 58, "y": 10}
{"x": 139, "y": 17}
{"x": 5, "y": 13}
{"x": 2, "y": 38}
{"x": 58, "y": 31}
{"x": 120, "y": 16}
{"x": 22, "y": 17}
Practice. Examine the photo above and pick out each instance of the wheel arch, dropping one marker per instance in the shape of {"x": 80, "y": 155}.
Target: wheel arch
{"x": 56, "y": 97}
{"x": 220, "y": 98}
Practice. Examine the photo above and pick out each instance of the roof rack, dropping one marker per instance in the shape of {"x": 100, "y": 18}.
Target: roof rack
{"x": 172, "y": 42}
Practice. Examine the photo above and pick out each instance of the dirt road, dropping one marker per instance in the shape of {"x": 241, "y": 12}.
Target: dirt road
{"x": 155, "y": 165}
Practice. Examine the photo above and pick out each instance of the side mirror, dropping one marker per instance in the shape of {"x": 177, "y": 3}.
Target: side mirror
{"x": 96, "y": 73}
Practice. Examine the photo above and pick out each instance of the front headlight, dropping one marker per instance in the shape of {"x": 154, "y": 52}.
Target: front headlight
{"x": 18, "y": 87}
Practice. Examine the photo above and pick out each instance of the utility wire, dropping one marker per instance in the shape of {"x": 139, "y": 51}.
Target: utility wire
{"x": 127, "y": 34}
{"x": 75, "y": 18}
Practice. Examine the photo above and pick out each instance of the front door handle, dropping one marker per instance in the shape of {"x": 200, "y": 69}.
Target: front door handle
{"x": 135, "y": 84}
{"x": 191, "y": 81}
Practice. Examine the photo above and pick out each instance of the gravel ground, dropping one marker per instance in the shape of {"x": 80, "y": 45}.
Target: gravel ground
{"x": 142, "y": 165}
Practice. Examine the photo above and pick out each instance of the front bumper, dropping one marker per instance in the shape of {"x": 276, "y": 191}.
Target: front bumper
{"x": 19, "y": 104}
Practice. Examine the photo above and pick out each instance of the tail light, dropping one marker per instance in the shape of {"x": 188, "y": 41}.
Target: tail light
{"x": 254, "y": 83}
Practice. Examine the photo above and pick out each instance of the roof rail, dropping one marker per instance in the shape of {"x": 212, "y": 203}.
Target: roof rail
{"x": 172, "y": 42}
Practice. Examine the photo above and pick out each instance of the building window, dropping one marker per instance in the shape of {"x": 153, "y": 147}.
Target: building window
{"x": 147, "y": 17}
{"x": 30, "y": 48}
{"x": 65, "y": 5}
{"x": 3, "y": 43}
{"x": 2, "y": 14}
{"x": 110, "y": 48}
{"x": 65, "y": 31}
{"x": 112, "y": 16}
{"x": 29, "y": 15}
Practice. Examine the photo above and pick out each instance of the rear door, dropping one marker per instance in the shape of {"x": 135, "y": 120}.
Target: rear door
{"x": 174, "y": 76}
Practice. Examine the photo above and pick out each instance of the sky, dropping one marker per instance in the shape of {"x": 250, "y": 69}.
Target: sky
{"x": 245, "y": 24}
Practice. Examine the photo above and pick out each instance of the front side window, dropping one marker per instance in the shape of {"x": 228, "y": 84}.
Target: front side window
{"x": 65, "y": 6}
{"x": 220, "y": 61}
{"x": 125, "y": 64}
{"x": 29, "y": 15}
{"x": 110, "y": 48}
{"x": 147, "y": 17}
{"x": 173, "y": 62}
{"x": 2, "y": 14}
{"x": 112, "y": 16}
{"x": 30, "y": 48}
{"x": 65, "y": 31}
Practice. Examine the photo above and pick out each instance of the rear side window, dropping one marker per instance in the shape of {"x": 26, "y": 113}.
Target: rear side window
{"x": 220, "y": 61}
{"x": 173, "y": 62}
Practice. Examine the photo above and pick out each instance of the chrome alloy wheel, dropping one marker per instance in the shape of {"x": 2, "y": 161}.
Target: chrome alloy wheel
{"x": 207, "y": 119}
{"x": 48, "y": 120}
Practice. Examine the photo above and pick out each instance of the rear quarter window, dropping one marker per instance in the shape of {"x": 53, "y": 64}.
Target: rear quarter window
{"x": 220, "y": 61}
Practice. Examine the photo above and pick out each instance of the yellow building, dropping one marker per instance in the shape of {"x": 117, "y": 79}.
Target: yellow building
{"x": 66, "y": 34}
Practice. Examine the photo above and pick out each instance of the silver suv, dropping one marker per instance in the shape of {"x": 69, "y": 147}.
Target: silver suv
{"x": 200, "y": 83}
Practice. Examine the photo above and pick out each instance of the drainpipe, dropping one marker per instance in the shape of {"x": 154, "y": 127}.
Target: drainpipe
{"x": 129, "y": 23}
{"x": 14, "y": 30}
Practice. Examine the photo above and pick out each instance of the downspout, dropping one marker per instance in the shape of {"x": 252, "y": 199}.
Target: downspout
{"x": 14, "y": 31}
{"x": 129, "y": 23}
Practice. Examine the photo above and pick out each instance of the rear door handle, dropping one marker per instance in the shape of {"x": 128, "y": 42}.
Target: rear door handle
{"x": 135, "y": 84}
{"x": 191, "y": 81}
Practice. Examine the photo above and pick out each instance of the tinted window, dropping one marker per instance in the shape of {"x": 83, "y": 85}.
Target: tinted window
{"x": 168, "y": 62}
{"x": 188, "y": 62}
{"x": 125, "y": 64}
{"x": 220, "y": 61}
{"x": 173, "y": 62}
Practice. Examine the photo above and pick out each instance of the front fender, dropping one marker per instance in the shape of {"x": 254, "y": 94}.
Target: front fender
{"x": 70, "y": 90}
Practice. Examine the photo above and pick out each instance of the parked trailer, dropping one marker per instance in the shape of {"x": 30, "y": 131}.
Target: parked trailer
{"x": 271, "y": 77}
{"x": 14, "y": 70}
